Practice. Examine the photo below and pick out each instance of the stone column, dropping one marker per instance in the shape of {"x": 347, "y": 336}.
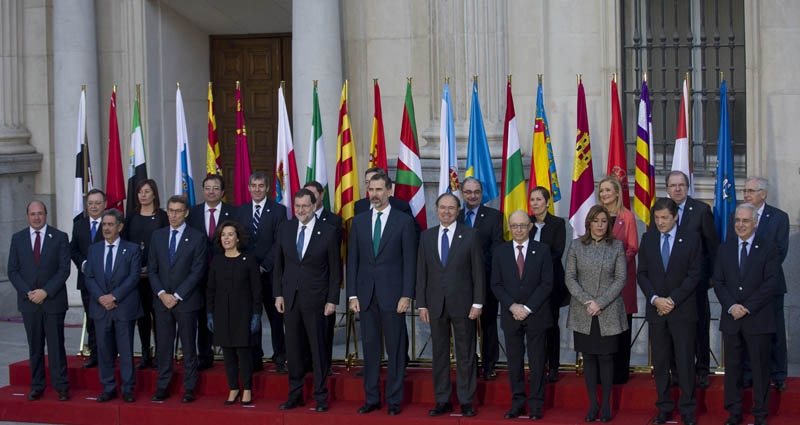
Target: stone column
{"x": 316, "y": 55}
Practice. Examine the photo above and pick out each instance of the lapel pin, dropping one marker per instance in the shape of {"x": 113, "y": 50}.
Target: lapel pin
{"x": 124, "y": 251}
{"x": 267, "y": 209}
{"x": 50, "y": 235}
{"x": 533, "y": 252}
{"x": 680, "y": 240}
{"x": 756, "y": 246}
{"x": 244, "y": 258}
{"x": 318, "y": 232}
{"x": 186, "y": 240}
{"x": 691, "y": 208}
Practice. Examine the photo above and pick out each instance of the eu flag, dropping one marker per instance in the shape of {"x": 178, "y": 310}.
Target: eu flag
{"x": 725, "y": 190}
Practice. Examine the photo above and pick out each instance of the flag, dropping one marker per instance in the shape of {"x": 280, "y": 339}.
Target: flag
{"x": 316, "y": 169}
{"x": 241, "y": 174}
{"x": 286, "y": 181}
{"x": 583, "y": 196}
{"x": 448, "y": 163}
{"x": 184, "y": 184}
{"x": 725, "y": 189}
{"x": 408, "y": 181}
{"x": 83, "y": 171}
{"x": 213, "y": 162}
{"x": 137, "y": 169}
{"x": 617, "y": 159}
{"x": 479, "y": 160}
{"x": 115, "y": 184}
{"x": 377, "y": 149}
{"x": 681, "y": 156}
{"x": 514, "y": 196}
{"x": 543, "y": 164}
{"x": 346, "y": 169}
{"x": 645, "y": 189}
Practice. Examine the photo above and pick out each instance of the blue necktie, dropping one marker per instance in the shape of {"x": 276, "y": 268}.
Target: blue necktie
{"x": 256, "y": 219}
{"x": 173, "y": 244}
{"x": 109, "y": 263}
{"x": 94, "y": 229}
{"x": 301, "y": 238}
{"x": 742, "y": 259}
{"x": 470, "y": 213}
{"x": 665, "y": 251}
{"x": 445, "y": 246}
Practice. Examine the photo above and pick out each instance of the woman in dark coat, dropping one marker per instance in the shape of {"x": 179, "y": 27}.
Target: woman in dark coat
{"x": 552, "y": 231}
{"x": 233, "y": 303}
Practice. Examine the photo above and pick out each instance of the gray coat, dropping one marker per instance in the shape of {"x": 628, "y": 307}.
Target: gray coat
{"x": 596, "y": 272}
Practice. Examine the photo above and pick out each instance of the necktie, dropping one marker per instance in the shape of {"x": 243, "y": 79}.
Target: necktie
{"x": 212, "y": 223}
{"x": 680, "y": 215}
{"x": 445, "y": 246}
{"x": 173, "y": 244}
{"x": 256, "y": 219}
{"x": 376, "y": 235}
{"x": 109, "y": 263}
{"x": 301, "y": 238}
{"x": 468, "y": 221}
{"x": 742, "y": 258}
{"x": 94, "y": 229}
{"x": 665, "y": 251}
{"x": 520, "y": 260}
{"x": 37, "y": 247}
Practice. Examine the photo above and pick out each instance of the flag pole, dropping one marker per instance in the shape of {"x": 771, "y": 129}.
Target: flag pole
{"x": 315, "y": 83}
{"x": 579, "y": 78}
{"x": 644, "y": 77}
{"x": 509, "y": 78}
{"x": 539, "y": 76}
{"x": 85, "y": 150}
{"x": 614, "y": 77}
{"x": 178, "y": 84}
{"x": 688, "y": 115}
{"x": 409, "y": 80}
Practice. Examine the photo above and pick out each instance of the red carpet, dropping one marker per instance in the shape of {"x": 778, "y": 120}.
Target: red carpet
{"x": 566, "y": 401}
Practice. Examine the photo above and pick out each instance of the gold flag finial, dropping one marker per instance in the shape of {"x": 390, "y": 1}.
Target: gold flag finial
{"x": 315, "y": 83}
{"x": 447, "y": 80}
{"x": 114, "y": 89}
{"x": 178, "y": 84}
{"x": 644, "y": 77}
{"x": 539, "y": 77}
{"x": 139, "y": 91}
{"x": 237, "y": 84}
{"x": 375, "y": 81}
{"x": 509, "y": 78}
{"x": 614, "y": 77}
{"x": 283, "y": 85}
{"x": 579, "y": 78}
{"x": 409, "y": 80}
{"x": 475, "y": 79}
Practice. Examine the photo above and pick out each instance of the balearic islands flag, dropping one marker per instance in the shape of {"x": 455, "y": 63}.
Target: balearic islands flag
{"x": 583, "y": 196}
{"x": 514, "y": 195}
{"x": 115, "y": 185}
{"x": 184, "y": 183}
{"x": 316, "y": 169}
{"x": 137, "y": 170}
{"x": 448, "y": 162}
{"x": 408, "y": 182}
{"x": 286, "y": 181}
{"x": 645, "y": 189}
{"x": 83, "y": 172}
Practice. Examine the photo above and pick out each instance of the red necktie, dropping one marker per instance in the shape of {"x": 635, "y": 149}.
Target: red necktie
{"x": 212, "y": 224}
{"x": 520, "y": 261}
{"x": 37, "y": 247}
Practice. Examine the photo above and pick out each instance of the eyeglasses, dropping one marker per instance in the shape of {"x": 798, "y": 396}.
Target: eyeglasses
{"x": 518, "y": 226}
{"x": 212, "y": 188}
{"x": 752, "y": 190}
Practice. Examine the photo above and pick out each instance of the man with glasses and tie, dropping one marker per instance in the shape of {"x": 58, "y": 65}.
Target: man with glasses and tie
{"x": 489, "y": 223}
{"x": 306, "y": 291}
{"x": 451, "y": 292}
{"x": 85, "y": 232}
{"x": 177, "y": 262}
{"x": 381, "y": 268}
{"x": 205, "y": 217}
{"x": 670, "y": 268}
{"x": 746, "y": 279}
{"x": 262, "y": 217}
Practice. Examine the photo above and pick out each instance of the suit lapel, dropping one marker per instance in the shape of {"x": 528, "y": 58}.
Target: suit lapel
{"x": 529, "y": 260}
{"x": 455, "y": 242}
{"x": 388, "y": 230}
{"x": 763, "y": 222}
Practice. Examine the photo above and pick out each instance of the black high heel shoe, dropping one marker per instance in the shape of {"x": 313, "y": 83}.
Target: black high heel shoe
{"x": 247, "y": 402}
{"x": 236, "y": 397}
{"x": 605, "y": 414}
{"x": 591, "y": 415}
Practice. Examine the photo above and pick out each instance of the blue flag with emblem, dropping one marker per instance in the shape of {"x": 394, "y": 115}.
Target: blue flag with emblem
{"x": 725, "y": 190}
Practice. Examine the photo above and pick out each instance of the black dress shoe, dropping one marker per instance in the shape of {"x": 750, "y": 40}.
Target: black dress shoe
{"x": 780, "y": 386}
{"x": 35, "y": 395}
{"x": 536, "y": 415}
{"x": 514, "y": 413}
{"x": 489, "y": 375}
{"x": 394, "y": 409}
{"x": 106, "y": 396}
{"x": 368, "y": 408}
{"x": 146, "y": 361}
{"x": 160, "y": 395}
{"x": 467, "y": 410}
{"x": 92, "y": 362}
{"x": 552, "y": 376}
{"x": 321, "y": 406}
{"x": 703, "y": 382}
{"x": 689, "y": 420}
{"x": 591, "y": 415}
{"x": 734, "y": 420}
{"x": 128, "y": 397}
{"x": 188, "y": 397}
{"x": 64, "y": 395}
{"x": 291, "y": 404}
{"x": 662, "y": 418}
{"x": 440, "y": 409}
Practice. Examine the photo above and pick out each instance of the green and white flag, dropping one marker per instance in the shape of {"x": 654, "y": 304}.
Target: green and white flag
{"x": 316, "y": 153}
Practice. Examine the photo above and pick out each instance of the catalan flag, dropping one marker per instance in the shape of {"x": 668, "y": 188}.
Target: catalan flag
{"x": 543, "y": 164}
{"x": 583, "y": 196}
{"x": 514, "y": 196}
{"x": 346, "y": 169}
{"x": 645, "y": 190}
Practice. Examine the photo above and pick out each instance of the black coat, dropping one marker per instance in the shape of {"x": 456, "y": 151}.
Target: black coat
{"x": 554, "y": 234}
{"x": 233, "y": 295}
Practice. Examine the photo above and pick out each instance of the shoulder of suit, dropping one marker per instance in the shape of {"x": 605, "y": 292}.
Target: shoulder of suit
{"x": 488, "y": 210}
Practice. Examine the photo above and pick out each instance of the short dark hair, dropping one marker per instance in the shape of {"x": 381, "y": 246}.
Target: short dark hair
{"x": 378, "y": 170}
{"x": 96, "y": 191}
{"x": 117, "y": 214}
{"x": 472, "y": 179}
{"x": 316, "y": 185}
{"x": 595, "y": 211}
{"x": 154, "y": 188}
{"x": 259, "y": 175}
{"x": 216, "y": 177}
{"x": 240, "y": 233}
{"x": 305, "y": 192}
{"x": 382, "y": 176}
{"x": 458, "y": 201}
{"x": 543, "y": 190}
{"x": 666, "y": 204}
{"x": 28, "y": 207}
{"x": 179, "y": 199}
{"x": 676, "y": 173}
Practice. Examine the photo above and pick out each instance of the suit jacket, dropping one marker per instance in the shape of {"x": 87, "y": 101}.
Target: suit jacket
{"x": 314, "y": 279}
{"x": 398, "y": 204}
{"x": 489, "y": 223}
{"x": 460, "y": 282}
{"x": 755, "y": 289}
{"x": 773, "y": 226}
{"x": 389, "y": 275}
{"x": 679, "y": 281}
{"x": 273, "y": 215}
{"x": 197, "y": 219}
{"x": 332, "y": 219}
{"x": 554, "y": 234}
{"x": 625, "y": 231}
{"x": 184, "y": 275}
{"x": 79, "y": 244}
{"x": 532, "y": 289}
{"x": 123, "y": 285}
{"x": 50, "y": 274}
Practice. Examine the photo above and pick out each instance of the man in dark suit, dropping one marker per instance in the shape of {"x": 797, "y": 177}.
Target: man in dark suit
{"x": 522, "y": 279}
{"x": 177, "y": 261}
{"x": 381, "y": 267}
{"x": 773, "y": 226}
{"x": 451, "y": 291}
{"x": 746, "y": 279}
{"x": 38, "y": 267}
{"x": 670, "y": 267}
{"x": 86, "y": 231}
{"x": 262, "y": 217}
{"x": 364, "y": 204}
{"x": 205, "y": 217}
{"x": 489, "y": 223}
{"x": 306, "y": 291}
{"x": 695, "y": 217}
{"x": 112, "y": 279}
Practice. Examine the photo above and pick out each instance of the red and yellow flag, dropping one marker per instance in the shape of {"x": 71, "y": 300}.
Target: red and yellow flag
{"x": 377, "y": 149}
{"x": 241, "y": 178}
{"x": 617, "y": 160}
{"x": 213, "y": 164}
{"x": 346, "y": 170}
